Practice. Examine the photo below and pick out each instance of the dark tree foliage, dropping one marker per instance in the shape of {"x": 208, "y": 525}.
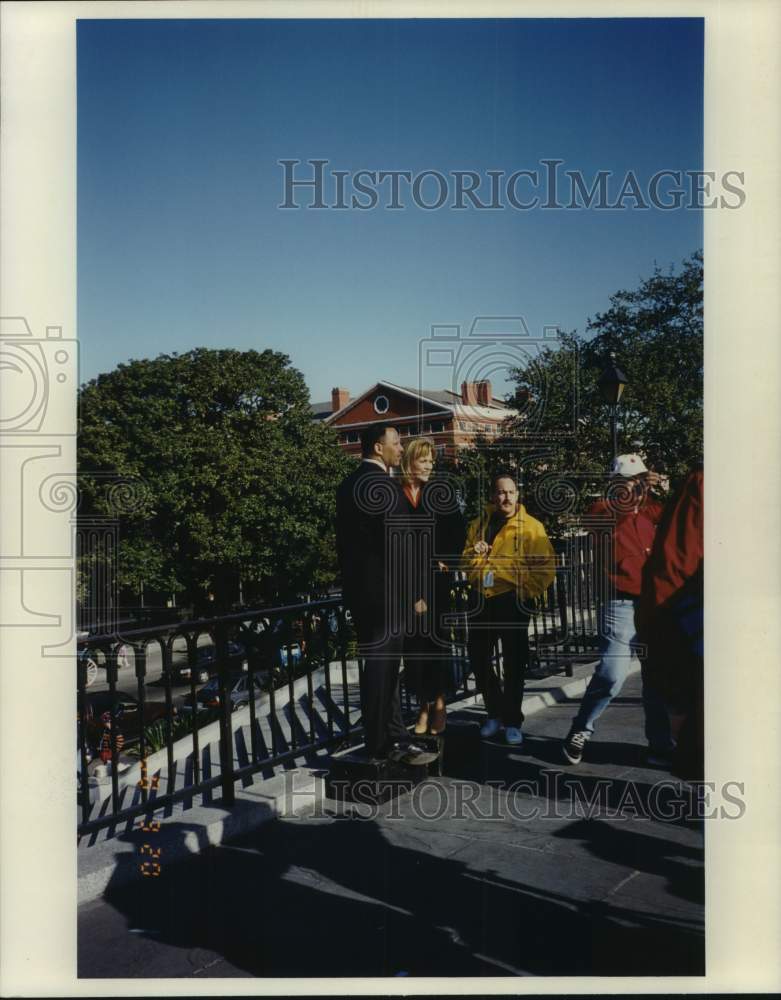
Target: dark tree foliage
{"x": 229, "y": 476}
{"x": 656, "y": 333}
{"x": 472, "y": 472}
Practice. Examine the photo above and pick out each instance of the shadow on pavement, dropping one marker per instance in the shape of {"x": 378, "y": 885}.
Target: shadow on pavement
{"x": 647, "y": 793}
{"x": 680, "y": 864}
{"x": 332, "y": 897}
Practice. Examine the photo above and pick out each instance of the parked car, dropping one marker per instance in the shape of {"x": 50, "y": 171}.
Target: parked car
{"x": 206, "y": 662}
{"x": 125, "y": 713}
{"x": 238, "y": 692}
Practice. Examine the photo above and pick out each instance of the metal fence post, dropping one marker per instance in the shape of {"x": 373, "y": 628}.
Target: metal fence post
{"x": 226, "y": 729}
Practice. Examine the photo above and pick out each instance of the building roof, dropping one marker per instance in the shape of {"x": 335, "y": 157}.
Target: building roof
{"x": 445, "y": 399}
{"x": 496, "y": 410}
{"x": 320, "y": 411}
{"x": 447, "y": 396}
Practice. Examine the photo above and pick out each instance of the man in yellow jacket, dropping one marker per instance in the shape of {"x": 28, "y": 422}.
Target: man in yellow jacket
{"x": 509, "y": 560}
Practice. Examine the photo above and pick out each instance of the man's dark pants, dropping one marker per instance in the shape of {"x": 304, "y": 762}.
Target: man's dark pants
{"x": 500, "y": 617}
{"x": 380, "y": 702}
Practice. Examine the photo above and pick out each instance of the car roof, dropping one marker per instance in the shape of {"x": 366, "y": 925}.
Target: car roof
{"x": 104, "y": 697}
{"x": 212, "y": 650}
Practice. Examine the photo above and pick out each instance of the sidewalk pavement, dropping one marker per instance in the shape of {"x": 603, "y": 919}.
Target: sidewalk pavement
{"x": 472, "y": 874}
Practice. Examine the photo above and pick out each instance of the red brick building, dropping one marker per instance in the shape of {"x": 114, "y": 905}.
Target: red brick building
{"x": 452, "y": 419}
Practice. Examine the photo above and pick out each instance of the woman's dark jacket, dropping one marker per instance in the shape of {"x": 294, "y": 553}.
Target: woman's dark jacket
{"x": 432, "y": 532}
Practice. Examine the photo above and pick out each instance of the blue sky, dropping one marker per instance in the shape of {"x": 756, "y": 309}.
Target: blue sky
{"x": 181, "y": 124}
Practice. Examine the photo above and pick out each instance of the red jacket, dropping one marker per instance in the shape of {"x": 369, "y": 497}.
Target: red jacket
{"x": 678, "y": 553}
{"x": 670, "y": 616}
{"x": 633, "y": 537}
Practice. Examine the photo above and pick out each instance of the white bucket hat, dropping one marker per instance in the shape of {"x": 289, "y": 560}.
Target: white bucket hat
{"x": 628, "y": 465}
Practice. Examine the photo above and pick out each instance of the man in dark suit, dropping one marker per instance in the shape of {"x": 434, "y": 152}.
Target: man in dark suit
{"x": 363, "y": 502}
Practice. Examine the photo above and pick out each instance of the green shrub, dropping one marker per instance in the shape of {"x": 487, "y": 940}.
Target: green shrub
{"x": 182, "y": 725}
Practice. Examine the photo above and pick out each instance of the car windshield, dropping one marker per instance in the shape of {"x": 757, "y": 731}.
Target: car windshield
{"x": 101, "y": 702}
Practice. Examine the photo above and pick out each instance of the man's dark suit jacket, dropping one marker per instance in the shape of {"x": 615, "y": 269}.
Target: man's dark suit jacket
{"x": 363, "y": 502}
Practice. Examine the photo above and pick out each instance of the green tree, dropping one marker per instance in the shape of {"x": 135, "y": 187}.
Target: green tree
{"x": 471, "y": 472}
{"x": 656, "y": 333}
{"x": 229, "y": 476}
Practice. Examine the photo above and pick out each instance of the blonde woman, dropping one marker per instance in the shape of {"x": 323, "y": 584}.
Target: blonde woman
{"x": 425, "y": 659}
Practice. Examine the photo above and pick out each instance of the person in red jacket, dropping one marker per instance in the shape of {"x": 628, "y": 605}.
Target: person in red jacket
{"x": 633, "y": 516}
{"x": 670, "y": 620}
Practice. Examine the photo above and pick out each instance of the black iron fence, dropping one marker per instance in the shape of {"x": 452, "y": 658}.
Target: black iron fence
{"x": 564, "y": 628}
{"x": 291, "y": 671}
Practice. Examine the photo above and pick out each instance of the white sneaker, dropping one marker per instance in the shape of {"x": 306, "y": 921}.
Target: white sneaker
{"x": 513, "y": 735}
{"x": 490, "y": 728}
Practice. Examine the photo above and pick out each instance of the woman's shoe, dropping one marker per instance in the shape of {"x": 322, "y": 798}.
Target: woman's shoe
{"x": 421, "y": 726}
{"x": 438, "y": 721}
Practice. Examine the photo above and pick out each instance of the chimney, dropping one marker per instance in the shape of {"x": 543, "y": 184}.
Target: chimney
{"x": 339, "y": 398}
{"x": 484, "y": 395}
{"x": 469, "y": 393}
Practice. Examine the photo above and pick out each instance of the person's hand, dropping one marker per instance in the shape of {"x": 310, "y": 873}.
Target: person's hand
{"x": 421, "y": 607}
{"x": 442, "y": 567}
{"x": 482, "y": 548}
{"x": 655, "y": 483}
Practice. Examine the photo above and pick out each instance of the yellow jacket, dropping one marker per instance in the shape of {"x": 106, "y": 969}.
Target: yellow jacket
{"x": 521, "y": 557}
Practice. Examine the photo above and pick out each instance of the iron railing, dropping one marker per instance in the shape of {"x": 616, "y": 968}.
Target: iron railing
{"x": 302, "y": 677}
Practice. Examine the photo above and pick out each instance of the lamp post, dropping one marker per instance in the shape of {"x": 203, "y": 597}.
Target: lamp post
{"x": 611, "y": 384}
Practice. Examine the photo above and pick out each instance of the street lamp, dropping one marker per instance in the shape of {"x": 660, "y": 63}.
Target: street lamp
{"x": 611, "y": 384}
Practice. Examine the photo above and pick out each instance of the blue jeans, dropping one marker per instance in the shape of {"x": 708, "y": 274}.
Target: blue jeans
{"x": 617, "y": 647}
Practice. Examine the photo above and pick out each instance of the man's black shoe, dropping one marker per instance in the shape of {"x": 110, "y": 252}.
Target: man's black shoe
{"x": 410, "y": 753}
